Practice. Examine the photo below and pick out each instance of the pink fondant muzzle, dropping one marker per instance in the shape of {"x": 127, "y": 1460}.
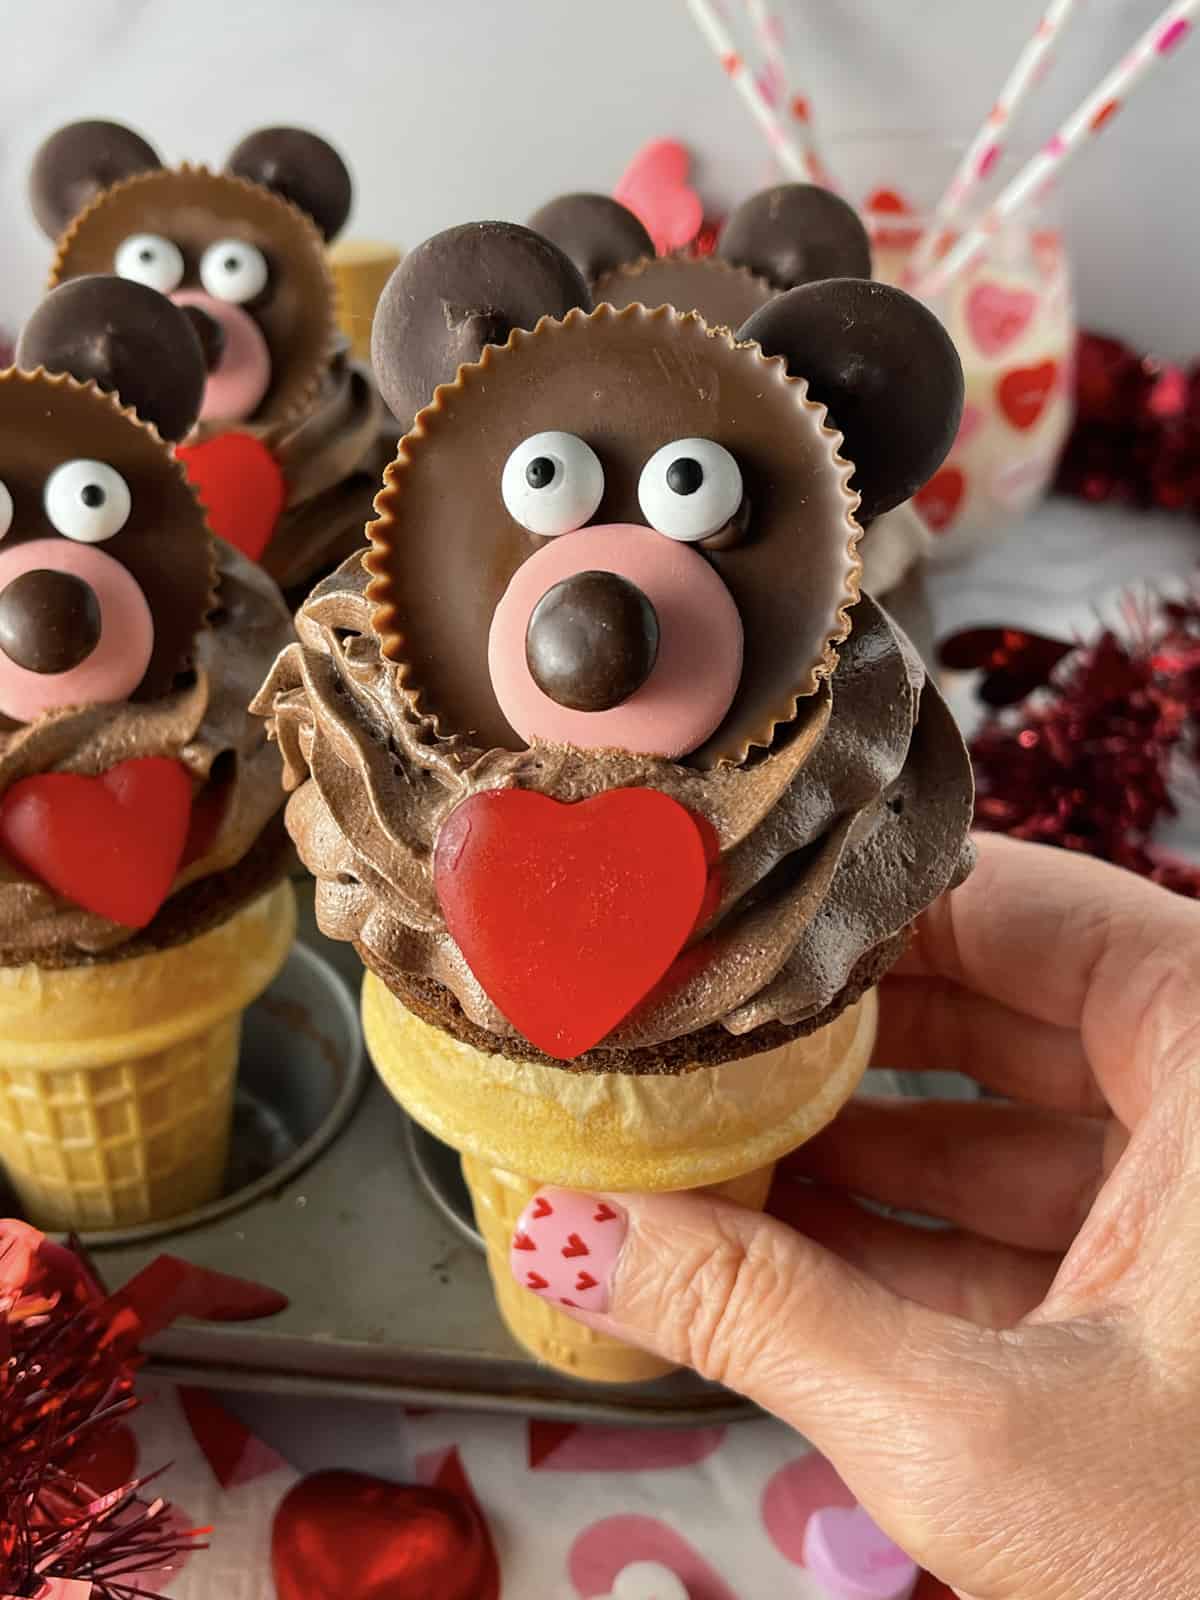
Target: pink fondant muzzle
{"x": 695, "y": 672}
{"x": 107, "y": 671}
{"x": 239, "y": 381}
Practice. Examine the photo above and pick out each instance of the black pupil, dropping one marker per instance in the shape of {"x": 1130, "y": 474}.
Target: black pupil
{"x": 539, "y": 472}
{"x": 232, "y": 263}
{"x": 146, "y": 254}
{"x": 92, "y": 495}
{"x": 685, "y": 475}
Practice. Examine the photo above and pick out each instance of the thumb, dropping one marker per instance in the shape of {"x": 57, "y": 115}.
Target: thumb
{"x": 749, "y": 1303}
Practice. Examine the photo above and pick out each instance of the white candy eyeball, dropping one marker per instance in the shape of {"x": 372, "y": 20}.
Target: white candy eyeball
{"x": 690, "y": 489}
{"x": 233, "y": 271}
{"x": 552, "y": 483}
{"x": 6, "y": 509}
{"x": 150, "y": 259}
{"x": 88, "y": 501}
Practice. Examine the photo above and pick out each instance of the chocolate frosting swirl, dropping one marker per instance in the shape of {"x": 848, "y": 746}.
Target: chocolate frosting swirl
{"x": 202, "y": 724}
{"x": 831, "y": 841}
{"x": 332, "y": 457}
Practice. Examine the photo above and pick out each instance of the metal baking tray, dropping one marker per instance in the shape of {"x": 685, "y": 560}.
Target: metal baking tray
{"x": 337, "y": 1201}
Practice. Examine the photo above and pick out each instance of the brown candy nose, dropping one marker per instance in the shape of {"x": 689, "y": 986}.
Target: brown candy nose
{"x": 592, "y": 641}
{"x": 49, "y": 621}
{"x": 211, "y": 334}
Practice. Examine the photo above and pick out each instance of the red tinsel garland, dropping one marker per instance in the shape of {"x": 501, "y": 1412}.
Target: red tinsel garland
{"x": 1085, "y": 761}
{"x": 1136, "y": 436}
{"x": 68, "y": 1355}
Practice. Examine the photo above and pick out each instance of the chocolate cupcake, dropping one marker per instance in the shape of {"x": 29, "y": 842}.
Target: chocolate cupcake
{"x": 243, "y": 252}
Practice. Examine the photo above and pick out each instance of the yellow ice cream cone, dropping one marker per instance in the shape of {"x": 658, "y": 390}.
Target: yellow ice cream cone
{"x": 117, "y": 1078}
{"x": 361, "y": 268}
{"x": 519, "y": 1125}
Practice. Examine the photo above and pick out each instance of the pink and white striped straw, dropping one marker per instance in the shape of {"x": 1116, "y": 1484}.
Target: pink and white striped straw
{"x": 988, "y": 145}
{"x": 793, "y": 149}
{"x": 1089, "y": 119}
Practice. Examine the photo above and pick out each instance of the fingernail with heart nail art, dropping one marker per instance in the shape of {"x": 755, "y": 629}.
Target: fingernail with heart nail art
{"x": 565, "y": 1248}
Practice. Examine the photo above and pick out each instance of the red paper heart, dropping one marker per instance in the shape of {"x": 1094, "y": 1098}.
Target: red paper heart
{"x": 654, "y": 186}
{"x": 110, "y": 844}
{"x": 584, "y": 1282}
{"x": 347, "y": 1536}
{"x": 542, "y": 1207}
{"x": 1023, "y": 392}
{"x": 241, "y": 486}
{"x": 604, "y": 1213}
{"x": 534, "y": 1280}
{"x": 938, "y": 500}
{"x": 522, "y": 1241}
{"x": 575, "y": 1246}
{"x": 568, "y": 915}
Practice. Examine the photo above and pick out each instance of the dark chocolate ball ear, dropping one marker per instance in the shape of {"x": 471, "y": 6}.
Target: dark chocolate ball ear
{"x": 459, "y": 291}
{"x": 598, "y": 233}
{"x": 73, "y": 165}
{"x": 797, "y": 233}
{"x": 884, "y": 368}
{"x": 302, "y": 168}
{"x": 126, "y": 338}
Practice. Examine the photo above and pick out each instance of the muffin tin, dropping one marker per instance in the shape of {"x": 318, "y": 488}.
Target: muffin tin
{"x": 335, "y": 1199}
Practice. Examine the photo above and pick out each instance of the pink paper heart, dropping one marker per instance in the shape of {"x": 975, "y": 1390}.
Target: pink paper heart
{"x": 655, "y": 188}
{"x": 998, "y": 316}
{"x": 854, "y": 1559}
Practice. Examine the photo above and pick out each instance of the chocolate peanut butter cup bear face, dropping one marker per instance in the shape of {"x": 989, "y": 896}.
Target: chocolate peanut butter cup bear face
{"x": 626, "y": 529}
{"x": 792, "y": 234}
{"x": 242, "y": 251}
{"x": 106, "y": 563}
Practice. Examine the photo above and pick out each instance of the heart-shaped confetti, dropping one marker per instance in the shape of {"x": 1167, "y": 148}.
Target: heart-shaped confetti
{"x": 655, "y": 188}
{"x": 110, "y": 844}
{"x": 241, "y": 487}
{"x": 569, "y": 915}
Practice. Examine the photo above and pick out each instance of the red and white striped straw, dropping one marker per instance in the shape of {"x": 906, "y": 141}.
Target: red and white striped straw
{"x": 988, "y": 145}
{"x": 1083, "y": 125}
{"x": 790, "y": 139}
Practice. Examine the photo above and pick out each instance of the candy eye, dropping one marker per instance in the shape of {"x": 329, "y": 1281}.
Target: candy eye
{"x": 150, "y": 259}
{"x": 6, "y": 509}
{"x": 689, "y": 490}
{"x": 88, "y": 501}
{"x": 233, "y": 271}
{"x": 552, "y": 483}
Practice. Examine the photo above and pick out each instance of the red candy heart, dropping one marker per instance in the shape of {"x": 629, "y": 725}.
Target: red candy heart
{"x": 110, "y": 844}
{"x": 938, "y": 501}
{"x": 347, "y": 1536}
{"x": 241, "y": 486}
{"x": 1024, "y": 391}
{"x": 568, "y": 915}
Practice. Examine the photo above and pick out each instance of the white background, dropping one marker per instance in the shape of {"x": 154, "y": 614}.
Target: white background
{"x": 450, "y": 110}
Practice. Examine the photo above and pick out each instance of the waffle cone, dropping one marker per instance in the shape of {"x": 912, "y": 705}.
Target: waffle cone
{"x": 117, "y": 1078}
{"x": 519, "y": 1125}
{"x": 361, "y": 268}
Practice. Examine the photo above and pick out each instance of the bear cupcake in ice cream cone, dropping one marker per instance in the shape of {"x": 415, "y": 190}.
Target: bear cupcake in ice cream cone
{"x": 142, "y": 905}
{"x": 286, "y": 451}
{"x": 623, "y": 791}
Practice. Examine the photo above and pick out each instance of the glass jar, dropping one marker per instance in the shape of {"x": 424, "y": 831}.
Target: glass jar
{"x": 1012, "y": 318}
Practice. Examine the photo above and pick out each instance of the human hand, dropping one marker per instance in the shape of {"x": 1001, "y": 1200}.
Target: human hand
{"x": 1015, "y": 1400}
